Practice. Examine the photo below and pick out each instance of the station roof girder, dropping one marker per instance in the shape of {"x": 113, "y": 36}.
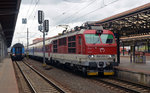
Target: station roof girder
{"x": 9, "y": 10}
{"x": 134, "y": 22}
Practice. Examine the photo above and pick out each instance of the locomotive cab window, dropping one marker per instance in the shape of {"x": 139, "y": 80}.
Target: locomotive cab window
{"x": 107, "y": 39}
{"x": 92, "y": 38}
{"x": 72, "y": 44}
{"x": 62, "y": 42}
{"x": 55, "y": 46}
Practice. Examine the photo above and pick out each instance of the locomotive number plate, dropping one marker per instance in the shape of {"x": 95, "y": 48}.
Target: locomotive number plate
{"x": 103, "y": 56}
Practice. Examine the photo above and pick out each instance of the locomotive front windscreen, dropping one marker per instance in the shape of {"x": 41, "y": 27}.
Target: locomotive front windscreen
{"x": 95, "y": 39}
{"x": 107, "y": 39}
{"x": 18, "y": 50}
{"x": 92, "y": 38}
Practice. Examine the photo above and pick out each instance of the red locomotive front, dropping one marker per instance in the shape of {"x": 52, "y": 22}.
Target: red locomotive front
{"x": 99, "y": 43}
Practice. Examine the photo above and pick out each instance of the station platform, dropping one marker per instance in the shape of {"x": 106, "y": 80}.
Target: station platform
{"x": 8, "y": 83}
{"x": 135, "y": 72}
{"x": 125, "y": 64}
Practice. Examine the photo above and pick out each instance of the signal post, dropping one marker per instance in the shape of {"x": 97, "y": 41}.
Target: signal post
{"x": 44, "y": 28}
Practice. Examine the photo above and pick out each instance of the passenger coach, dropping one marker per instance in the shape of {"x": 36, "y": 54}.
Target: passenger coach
{"x": 17, "y": 52}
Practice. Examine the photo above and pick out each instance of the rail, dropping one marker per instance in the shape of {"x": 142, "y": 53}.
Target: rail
{"x": 26, "y": 79}
{"x": 125, "y": 85}
{"x": 60, "y": 90}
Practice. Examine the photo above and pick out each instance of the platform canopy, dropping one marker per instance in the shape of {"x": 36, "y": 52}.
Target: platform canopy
{"x": 130, "y": 25}
{"x": 9, "y": 10}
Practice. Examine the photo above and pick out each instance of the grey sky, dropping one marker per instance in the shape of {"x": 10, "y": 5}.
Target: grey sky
{"x": 71, "y": 12}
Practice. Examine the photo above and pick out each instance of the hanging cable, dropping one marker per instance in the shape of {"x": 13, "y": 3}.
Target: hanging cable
{"x": 91, "y": 11}
{"x": 79, "y": 10}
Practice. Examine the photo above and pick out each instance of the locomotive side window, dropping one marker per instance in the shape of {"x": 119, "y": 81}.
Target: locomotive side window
{"x": 92, "y": 38}
{"x": 72, "y": 44}
{"x": 62, "y": 41}
{"x": 79, "y": 39}
{"x": 107, "y": 39}
{"x": 72, "y": 38}
{"x": 55, "y": 46}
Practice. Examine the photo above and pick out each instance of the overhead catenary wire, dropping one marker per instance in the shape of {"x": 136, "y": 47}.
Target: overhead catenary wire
{"x": 28, "y": 16}
{"x": 28, "y": 11}
{"x": 34, "y": 8}
{"x": 34, "y": 15}
{"x": 81, "y": 9}
{"x": 93, "y": 11}
{"x": 73, "y": 19}
{"x": 29, "y": 8}
{"x": 36, "y": 4}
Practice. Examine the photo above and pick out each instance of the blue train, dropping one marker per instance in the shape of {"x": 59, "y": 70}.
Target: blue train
{"x": 17, "y": 52}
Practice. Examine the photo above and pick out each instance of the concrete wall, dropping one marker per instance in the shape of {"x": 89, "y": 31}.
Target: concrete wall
{"x": 135, "y": 77}
{"x": 3, "y": 47}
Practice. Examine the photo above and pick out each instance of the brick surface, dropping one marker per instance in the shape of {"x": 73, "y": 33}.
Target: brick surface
{"x": 8, "y": 83}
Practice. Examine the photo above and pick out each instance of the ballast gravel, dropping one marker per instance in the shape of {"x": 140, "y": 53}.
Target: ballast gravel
{"x": 76, "y": 83}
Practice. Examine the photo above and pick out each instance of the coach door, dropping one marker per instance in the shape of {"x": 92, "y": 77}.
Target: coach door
{"x": 79, "y": 44}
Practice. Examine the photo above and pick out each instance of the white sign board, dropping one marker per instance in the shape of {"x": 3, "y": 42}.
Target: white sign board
{"x": 24, "y": 21}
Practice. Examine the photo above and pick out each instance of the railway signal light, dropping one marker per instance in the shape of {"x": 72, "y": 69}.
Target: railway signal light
{"x": 46, "y": 25}
{"x": 40, "y": 16}
{"x": 40, "y": 27}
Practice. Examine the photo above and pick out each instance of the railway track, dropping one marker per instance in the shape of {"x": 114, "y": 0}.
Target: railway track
{"x": 119, "y": 85}
{"x": 38, "y": 83}
{"x": 128, "y": 87}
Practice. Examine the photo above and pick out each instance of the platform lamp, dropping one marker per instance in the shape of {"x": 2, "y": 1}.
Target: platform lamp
{"x": 44, "y": 28}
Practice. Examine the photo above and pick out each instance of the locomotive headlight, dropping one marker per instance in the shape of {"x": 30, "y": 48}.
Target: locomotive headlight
{"x": 113, "y": 56}
{"x": 109, "y": 56}
{"x": 91, "y": 56}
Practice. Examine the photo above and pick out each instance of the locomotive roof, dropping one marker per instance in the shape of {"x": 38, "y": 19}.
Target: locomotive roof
{"x": 70, "y": 34}
{"x": 49, "y": 40}
{"x": 78, "y": 32}
{"x": 18, "y": 45}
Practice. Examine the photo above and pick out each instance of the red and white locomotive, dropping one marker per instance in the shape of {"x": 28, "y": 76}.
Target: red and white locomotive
{"x": 88, "y": 48}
